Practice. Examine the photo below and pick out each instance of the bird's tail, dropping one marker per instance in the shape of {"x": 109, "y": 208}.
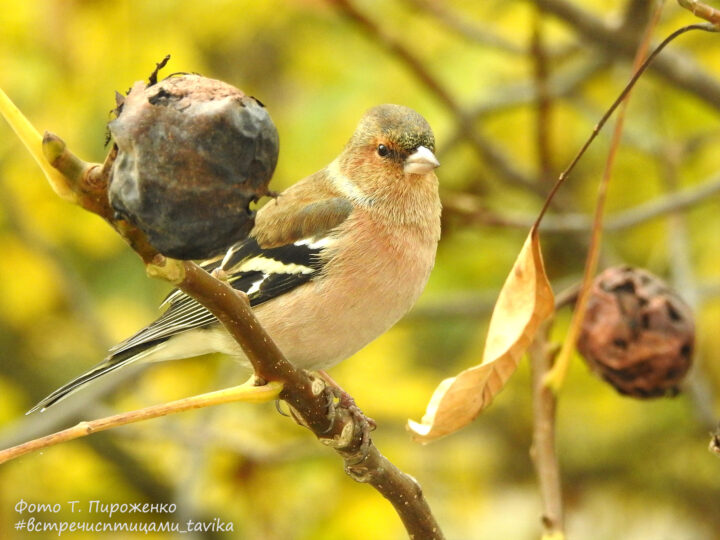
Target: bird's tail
{"x": 111, "y": 363}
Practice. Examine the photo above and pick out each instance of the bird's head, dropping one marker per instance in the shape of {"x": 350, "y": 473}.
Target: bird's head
{"x": 392, "y": 144}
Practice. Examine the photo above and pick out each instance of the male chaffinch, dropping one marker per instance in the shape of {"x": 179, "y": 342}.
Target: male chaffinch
{"x": 331, "y": 264}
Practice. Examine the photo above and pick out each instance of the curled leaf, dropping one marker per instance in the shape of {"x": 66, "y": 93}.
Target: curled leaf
{"x": 525, "y": 301}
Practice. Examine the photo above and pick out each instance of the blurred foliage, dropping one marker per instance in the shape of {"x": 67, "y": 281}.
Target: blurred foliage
{"x": 69, "y": 288}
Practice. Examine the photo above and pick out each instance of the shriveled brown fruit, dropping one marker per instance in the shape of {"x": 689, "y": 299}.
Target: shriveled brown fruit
{"x": 637, "y": 334}
{"x": 193, "y": 153}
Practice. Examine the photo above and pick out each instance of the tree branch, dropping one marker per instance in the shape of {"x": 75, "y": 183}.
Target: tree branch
{"x": 544, "y": 104}
{"x": 684, "y": 281}
{"x": 542, "y": 450}
{"x": 715, "y": 442}
{"x": 312, "y": 403}
{"x": 702, "y": 10}
{"x": 678, "y": 69}
{"x": 82, "y": 429}
{"x": 559, "y": 84}
{"x": 555, "y": 377}
{"x": 476, "y": 33}
{"x": 471, "y": 208}
{"x": 525, "y": 93}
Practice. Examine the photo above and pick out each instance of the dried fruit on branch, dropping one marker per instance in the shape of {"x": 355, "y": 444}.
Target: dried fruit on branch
{"x": 637, "y": 334}
{"x": 193, "y": 153}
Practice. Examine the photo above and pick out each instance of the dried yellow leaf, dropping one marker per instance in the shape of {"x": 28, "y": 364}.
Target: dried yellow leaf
{"x": 525, "y": 301}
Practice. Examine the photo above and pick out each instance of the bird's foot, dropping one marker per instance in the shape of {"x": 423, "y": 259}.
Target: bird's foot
{"x": 339, "y": 398}
{"x": 346, "y": 401}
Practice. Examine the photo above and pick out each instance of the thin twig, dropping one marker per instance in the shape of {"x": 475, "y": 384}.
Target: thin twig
{"x": 556, "y": 376}
{"x": 675, "y": 67}
{"x": 73, "y": 410}
{"x": 238, "y": 393}
{"x": 543, "y": 444}
{"x": 543, "y": 104}
{"x": 564, "y": 175}
{"x": 471, "y": 208}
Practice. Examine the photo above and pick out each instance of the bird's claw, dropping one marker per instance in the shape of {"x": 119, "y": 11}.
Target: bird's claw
{"x": 346, "y": 401}
{"x": 364, "y": 423}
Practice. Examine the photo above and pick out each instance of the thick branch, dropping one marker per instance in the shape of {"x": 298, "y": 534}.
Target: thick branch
{"x": 312, "y": 402}
{"x": 403, "y": 492}
{"x": 339, "y": 428}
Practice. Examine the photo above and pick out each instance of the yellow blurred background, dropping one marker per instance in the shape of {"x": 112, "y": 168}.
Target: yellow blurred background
{"x": 70, "y": 288}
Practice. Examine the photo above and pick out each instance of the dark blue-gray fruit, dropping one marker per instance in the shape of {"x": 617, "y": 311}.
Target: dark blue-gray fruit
{"x": 193, "y": 153}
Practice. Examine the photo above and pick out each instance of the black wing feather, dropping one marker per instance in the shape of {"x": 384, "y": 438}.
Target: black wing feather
{"x": 185, "y": 313}
{"x": 263, "y": 274}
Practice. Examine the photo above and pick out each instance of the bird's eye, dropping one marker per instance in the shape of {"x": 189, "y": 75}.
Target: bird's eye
{"x": 382, "y": 150}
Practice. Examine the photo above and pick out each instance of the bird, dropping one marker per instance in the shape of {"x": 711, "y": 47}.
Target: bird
{"x": 331, "y": 264}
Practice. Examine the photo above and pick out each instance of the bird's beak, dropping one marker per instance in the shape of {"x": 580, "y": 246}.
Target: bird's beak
{"x": 421, "y": 161}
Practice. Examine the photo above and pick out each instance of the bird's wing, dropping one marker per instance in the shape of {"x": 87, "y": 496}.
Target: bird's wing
{"x": 277, "y": 226}
{"x": 263, "y": 273}
{"x": 262, "y": 269}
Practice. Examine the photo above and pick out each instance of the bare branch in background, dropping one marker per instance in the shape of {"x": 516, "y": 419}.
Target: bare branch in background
{"x": 715, "y": 442}
{"x": 487, "y": 149}
{"x": 476, "y": 33}
{"x": 559, "y": 84}
{"x": 544, "y": 400}
{"x": 684, "y": 281}
{"x": 543, "y": 104}
{"x": 471, "y": 207}
{"x": 677, "y": 68}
